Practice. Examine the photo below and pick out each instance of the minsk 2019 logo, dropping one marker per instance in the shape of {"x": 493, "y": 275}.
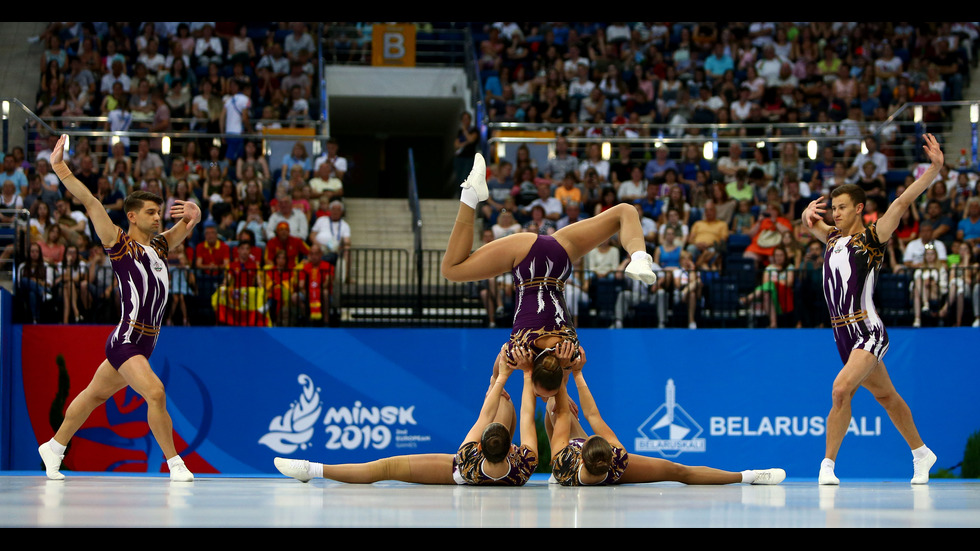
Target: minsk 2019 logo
{"x": 347, "y": 428}
{"x": 670, "y": 431}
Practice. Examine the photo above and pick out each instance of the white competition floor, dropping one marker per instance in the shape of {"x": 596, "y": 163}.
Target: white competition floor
{"x": 28, "y": 499}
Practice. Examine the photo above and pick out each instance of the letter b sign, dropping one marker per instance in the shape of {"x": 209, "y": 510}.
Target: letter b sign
{"x": 393, "y": 45}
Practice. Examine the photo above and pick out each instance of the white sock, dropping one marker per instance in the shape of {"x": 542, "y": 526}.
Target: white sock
{"x": 56, "y": 447}
{"x": 827, "y": 463}
{"x": 315, "y": 470}
{"x": 920, "y": 452}
{"x": 174, "y": 461}
{"x": 748, "y": 477}
{"x": 468, "y": 196}
{"x": 639, "y": 256}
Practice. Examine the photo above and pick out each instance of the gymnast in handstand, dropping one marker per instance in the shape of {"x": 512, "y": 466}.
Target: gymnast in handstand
{"x": 540, "y": 264}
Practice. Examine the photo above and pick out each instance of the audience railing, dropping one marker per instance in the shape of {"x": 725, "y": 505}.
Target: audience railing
{"x": 382, "y": 293}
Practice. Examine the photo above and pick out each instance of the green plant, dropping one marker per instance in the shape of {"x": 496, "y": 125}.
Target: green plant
{"x": 971, "y": 457}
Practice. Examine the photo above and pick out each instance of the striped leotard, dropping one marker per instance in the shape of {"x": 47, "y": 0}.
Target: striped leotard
{"x": 566, "y": 463}
{"x": 144, "y": 281}
{"x": 539, "y": 304}
{"x": 851, "y": 267}
{"x": 468, "y": 463}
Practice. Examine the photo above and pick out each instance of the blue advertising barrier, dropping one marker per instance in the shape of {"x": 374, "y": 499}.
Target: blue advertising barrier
{"x": 727, "y": 398}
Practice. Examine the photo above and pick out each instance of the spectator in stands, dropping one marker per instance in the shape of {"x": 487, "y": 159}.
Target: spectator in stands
{"x": 13, "y": 174}
{"x": 633, "y": 189}
{"x": 465, "y": 146}
{"x": 538, "y": 223}
{"x": 182, "y": 283}
{"x": 675, "y": 200}
{"x": 69, "y": 282}
{"x": 280, "y": 279}
{"x": 776, "y": 292}
{"x": 593, "y": 159}
{"x": 160, "y": 121}
{"x": 241, "y": 49}
{"x": 73, "y": 224}
{"x": 235, "y": 118}
{"x": 941, "y": 220}
{"x": 331, "y": 157}
{"x": 116, "y": 74}
{"x": 298, "y": 78}
{"x": 562, "y": 163}
{"x": 729, "y": 164}
{"x": 962, "y": 277}
{"x": 314, "y": 287}
{"x": 297, "y": 157}
{"x": 34, "y": 280}
{"x": 506, "y": 225}
{"x": 211, "y": 258}
{"x": 294, "y": 218}
{"x": 603, "y": 261}
{"x": 333, "y": 234}
{"x": 968, "y": 228}
{"x": 208, "y": 47}
{"x": 9, "y": 196}
{"x": 661, "y": 162}
{"x": 148, "y": 163}
{"x": 298, "y": 40}
{"x": 930, "y": 283}
{"x": 650, "y": 202}
{"x": 915, "y": 249}
{"x": 552, "y": 207}
{"x": 767, "y": 233}
{"x": 635, "y": 292}
{"x": 708, "y": 234}
{"x": 275, "y": 60}
{"x": 573, "y": 213}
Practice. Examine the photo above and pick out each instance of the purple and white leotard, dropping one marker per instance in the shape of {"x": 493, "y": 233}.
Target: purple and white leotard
{"x": 851, "y": 267}
{"x": 539, "y": 303}
{"x": 144, "y": 281}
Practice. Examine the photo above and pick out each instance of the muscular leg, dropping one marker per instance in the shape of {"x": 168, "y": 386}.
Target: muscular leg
{"x": 859, "y": 366}
{"x": 881, "y": 387}
{"x": 138, "y": 375}
{"x": 642, "y": 469}
{"x": 490, "y": 260}
{"x": 106, "y": 382}
{"x": 431, "y": 468}
{"x": 583, "y": 236}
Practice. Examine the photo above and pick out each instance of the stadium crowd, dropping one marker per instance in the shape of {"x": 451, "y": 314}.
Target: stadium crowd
{"x": 274, "y": 228}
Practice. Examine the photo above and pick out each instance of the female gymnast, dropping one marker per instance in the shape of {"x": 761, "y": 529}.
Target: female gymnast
{"x": 581, "y": 460}
{"x": 540, "y": 265}
{"x": 486, "y": 456}
{"x": 852, "y": 262}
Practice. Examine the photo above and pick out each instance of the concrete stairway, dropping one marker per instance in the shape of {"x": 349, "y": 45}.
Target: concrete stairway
{"x": 387, "y": 224}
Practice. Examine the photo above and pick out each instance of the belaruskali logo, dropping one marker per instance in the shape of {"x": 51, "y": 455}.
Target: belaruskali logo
{"x": 670, "y": 430}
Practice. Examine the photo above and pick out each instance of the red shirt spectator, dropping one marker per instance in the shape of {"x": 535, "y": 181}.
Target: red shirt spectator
{"x": 211, "y": 254}
{"x": 316, "y": 278}
{"x": 294, "y": 246}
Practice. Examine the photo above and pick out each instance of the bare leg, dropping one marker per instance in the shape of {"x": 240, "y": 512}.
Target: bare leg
{"x": 585, "y": 235}
{"x": 490, "y": 260}
{"x": 432, "y": 468}
{"x": 917, "y": 299}
{"x": 859, "y": 367}
{"x": 138, "y": 375}
{"x": 880, "y": 385}
{"x": 104, "y": 384}
{"x": 642, "y": 469}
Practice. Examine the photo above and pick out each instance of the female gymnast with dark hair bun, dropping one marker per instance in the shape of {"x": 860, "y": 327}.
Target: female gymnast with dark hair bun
{"x": 578, "y": 459}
